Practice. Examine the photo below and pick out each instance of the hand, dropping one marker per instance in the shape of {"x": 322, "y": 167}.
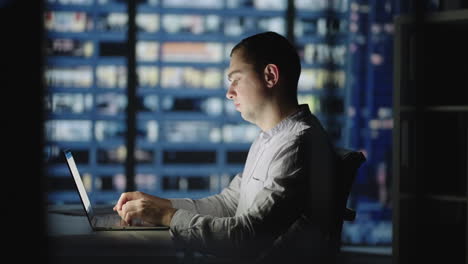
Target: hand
{"x": 148, "y": 208}
{"x": 129, "y": 196}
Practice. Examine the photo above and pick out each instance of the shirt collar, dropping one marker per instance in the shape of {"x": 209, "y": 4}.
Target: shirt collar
{"x": 299, "y": 114}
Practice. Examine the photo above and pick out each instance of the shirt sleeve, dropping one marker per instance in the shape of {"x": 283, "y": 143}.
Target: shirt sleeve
{"x": 274, "y": 209}
{"x": 223, "y": 204}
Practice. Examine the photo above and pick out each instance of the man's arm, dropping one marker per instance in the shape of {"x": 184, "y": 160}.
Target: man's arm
{"x": 223, "y": 204}
{"x": 275, "y": 208}
{"x": 159, "y": 211}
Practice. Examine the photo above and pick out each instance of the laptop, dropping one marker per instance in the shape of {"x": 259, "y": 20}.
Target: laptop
{"x": 101, "y": 222}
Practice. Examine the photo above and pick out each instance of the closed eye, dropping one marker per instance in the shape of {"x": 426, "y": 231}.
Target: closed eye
{"x": 233, "y": 74}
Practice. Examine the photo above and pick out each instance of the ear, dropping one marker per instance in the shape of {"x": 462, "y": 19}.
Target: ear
{"x": 271, "y": 74}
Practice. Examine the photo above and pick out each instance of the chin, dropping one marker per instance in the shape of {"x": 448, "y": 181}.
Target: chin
{"x": 247, "y": 118}
{"x": 243, "y": 116}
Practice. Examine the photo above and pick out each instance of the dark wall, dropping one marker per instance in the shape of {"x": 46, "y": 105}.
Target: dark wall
{"x": 21, "y": 127}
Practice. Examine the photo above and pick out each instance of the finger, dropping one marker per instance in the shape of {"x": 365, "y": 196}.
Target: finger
{"x": 122, "y": 216}
{"x": 130, "y": 216}
{"x": 126, "y": 207}
{"x": 120, "y": 202}
{"x": 130, "y": 206}
{"x": 132, "y": 211}
{"x": 123, "y": 213}
{"x": 115, "y": 206}
{"x": 125, "y": 197}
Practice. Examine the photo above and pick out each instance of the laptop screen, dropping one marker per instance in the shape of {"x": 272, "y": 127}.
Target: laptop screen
{"x": 79, "y": 183}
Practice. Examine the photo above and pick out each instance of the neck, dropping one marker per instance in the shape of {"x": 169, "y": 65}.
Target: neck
{"x": 275, "y": 113}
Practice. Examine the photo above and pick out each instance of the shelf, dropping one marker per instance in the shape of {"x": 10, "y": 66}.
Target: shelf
{"x": 321, "y": 14}
{"x": 114, "y": 168}
{"x": 377, "y": 250}
{"x": 89, "y": 35}
{"x": 447, "y": 198}
{"x": 248, "y": 12}
{"x": 430, "y": 170}
{"x": 61, "y": 170}
{"x": 336, "y": 39}
{"x": 109, "y": 143}
{"x": 180, "y": 116}
{"x": 65, "y": 197}
{"x": 326, "y": 92}
{"x": 193, "y": 145}
{"x": 236, "y": 146}
{"x": 225, "y": 12}
{"x": 433, "y": 153}
{"x": 188, "y": 92}
{"x": 189, "y": 170}
{"x": 439, "y": 108}
{"x": 87, "y": 8}
{"x": 437, "y": 17}
{"x": 65, "y": 61}
{"x": 76, "y": 61}
{"x": 69, "y": 144}
{"x": 113, "y": 90}
{"x": 69, "y": 60}
{"x": 179, "y": 11}
{"x": 181, "y": 146}
{"x": 87, "y": 116}
{"x": 145, "y": 8}
{"x": 51, "y": 89}
{"x": 86, "y": 144}
{"x": 69, "y": 8}
{"x": 197, "y": 65}
{"x": 181, "y": 37}
{"x": 111, "y": 36}
{"x": 325, "y": 66}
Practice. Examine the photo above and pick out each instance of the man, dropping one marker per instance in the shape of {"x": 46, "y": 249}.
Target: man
{"x": 281, "y": 205}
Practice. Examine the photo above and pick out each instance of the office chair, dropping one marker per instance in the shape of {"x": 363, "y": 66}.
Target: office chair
{"x": 332, "y": 173}
{"x": 339, "y": 185}
{"x": 349, "y": 163}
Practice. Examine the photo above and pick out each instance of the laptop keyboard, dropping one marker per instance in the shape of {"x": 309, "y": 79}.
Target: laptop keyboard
{"x": 109, "y": 220}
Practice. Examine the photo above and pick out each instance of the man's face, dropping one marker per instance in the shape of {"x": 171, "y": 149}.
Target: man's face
{"x": 246, "y": 89}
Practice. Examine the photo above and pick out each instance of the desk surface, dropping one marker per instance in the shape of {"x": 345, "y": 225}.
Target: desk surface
{"x": 70, "y": 234}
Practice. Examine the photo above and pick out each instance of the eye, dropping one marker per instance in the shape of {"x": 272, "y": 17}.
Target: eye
{"x": 233, "y": 82}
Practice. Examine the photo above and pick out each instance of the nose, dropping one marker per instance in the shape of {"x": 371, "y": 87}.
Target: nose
{"x": 230, "y": 93}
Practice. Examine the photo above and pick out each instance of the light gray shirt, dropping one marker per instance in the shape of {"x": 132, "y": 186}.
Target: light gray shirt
{"x": 261, "y": 204}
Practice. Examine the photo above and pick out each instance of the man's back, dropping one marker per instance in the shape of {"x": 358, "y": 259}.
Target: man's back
{"x": 309, "y": 237}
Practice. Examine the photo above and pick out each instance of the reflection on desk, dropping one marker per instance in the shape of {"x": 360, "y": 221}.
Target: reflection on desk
{"x": 71, "y": 235}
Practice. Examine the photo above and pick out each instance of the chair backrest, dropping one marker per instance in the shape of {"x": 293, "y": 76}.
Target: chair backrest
{"x": 331, "y": 174}
{"x": 349, "y": 163}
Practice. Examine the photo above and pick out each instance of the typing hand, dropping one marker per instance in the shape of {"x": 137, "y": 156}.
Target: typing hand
{"x": 149, "y": 209}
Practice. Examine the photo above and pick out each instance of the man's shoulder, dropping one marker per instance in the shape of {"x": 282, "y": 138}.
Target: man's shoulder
{"x": 301, "y": 128}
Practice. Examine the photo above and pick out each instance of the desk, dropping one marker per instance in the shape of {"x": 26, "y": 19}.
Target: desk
{"x": 70, "y": 236}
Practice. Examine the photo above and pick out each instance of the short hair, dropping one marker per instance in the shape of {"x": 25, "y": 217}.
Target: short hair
{"x": 272, "y": 48}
